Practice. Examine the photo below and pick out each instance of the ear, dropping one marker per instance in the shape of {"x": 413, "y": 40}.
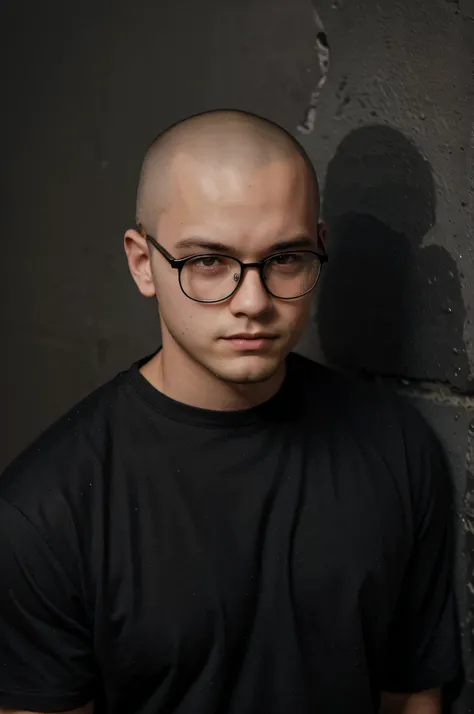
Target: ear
{"x": 139, "y": 263}
{"x": 322, "y": 234}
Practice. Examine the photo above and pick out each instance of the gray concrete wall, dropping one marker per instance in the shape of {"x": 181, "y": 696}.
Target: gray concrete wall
{"x": 379, "y": 93}
{"x": 391, "y": 134}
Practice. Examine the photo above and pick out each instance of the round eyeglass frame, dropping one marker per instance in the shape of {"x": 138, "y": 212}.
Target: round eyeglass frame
{"x": 179, "y": 263}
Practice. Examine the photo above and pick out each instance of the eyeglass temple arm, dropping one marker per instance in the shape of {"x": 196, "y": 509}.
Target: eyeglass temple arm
{"x": 155, "y": 243}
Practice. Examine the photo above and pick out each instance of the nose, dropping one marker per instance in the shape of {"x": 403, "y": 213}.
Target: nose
{"x": 250, "y": 298}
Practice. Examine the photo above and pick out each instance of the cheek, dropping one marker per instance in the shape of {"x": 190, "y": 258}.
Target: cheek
{"x": 172, "y": 304}
{"x": 295, "y": 313}
{"x": 184, "y": 317}
{"x": 197, "y": 322}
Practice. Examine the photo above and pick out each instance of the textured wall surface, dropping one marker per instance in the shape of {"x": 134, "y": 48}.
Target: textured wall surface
{"x": 379, "y": 93}
{"x": 391, "y": 133}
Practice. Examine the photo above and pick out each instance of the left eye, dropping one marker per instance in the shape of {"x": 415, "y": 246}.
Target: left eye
{"x": 285, "y": 258}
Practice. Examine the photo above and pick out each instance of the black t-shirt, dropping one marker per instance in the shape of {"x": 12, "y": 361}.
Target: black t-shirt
{"x": 290, "y": 558}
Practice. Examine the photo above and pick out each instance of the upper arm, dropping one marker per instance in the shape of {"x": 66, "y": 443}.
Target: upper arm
{"x": 45, "y": 647}
{"x": 428, "y": 702}
{"x": 423, "y": 649}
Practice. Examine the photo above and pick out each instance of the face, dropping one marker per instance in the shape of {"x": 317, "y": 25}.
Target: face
{"x": 248, "y": 213}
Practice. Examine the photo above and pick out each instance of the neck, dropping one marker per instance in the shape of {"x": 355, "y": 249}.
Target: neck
{"x": 180, "y": 378}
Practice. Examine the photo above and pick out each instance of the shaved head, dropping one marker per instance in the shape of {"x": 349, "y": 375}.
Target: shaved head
{"x": 217, "y": 190}
{"x": 221, "y": 138}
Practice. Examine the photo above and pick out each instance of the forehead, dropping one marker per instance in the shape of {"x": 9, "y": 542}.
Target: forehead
{"x": 238, "y": 198}
{"x": 222, "y": 178}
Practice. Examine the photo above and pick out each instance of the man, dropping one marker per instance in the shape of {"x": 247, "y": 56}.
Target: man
{"x": 227, "y": 527}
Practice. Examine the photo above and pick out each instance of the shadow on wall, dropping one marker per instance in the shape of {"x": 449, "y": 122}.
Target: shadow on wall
{"x": 387, "y": 304}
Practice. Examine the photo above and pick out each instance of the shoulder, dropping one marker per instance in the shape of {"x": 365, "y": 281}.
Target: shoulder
{"x": 367, "y": 410}
{"x": 364, "y": 422}
{"x": 67, "y": 454}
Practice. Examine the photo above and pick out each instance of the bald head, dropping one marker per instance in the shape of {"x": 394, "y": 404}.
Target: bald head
{"x": 221, "y": 138}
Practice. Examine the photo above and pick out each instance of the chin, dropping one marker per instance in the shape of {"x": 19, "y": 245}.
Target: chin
{"x": 248, "y": 370}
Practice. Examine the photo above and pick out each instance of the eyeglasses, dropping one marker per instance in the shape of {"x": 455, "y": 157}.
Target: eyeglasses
{"x": 212, "y": 277}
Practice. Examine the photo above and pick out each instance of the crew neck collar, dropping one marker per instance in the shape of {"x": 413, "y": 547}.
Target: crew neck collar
{"x": 269, "y": 410}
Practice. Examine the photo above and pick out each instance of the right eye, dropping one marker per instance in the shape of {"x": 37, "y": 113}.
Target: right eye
{"x": 205, "y": 261}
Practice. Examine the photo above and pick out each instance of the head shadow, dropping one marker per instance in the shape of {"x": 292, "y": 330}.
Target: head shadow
{"x": 387, "y": 304}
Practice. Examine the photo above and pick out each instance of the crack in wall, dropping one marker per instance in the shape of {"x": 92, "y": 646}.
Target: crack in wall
{"x": 324, "y": 59}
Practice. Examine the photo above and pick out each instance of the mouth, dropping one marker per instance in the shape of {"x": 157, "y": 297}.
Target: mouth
{"x": 251, "y": 342}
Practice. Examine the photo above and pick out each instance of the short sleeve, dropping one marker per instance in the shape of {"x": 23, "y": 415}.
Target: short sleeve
{"x": 424, "y": 649}
{"x": 45, "y": 651}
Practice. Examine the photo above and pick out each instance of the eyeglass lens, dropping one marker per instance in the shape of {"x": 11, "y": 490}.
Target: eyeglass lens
{"x": 209, "y": 278}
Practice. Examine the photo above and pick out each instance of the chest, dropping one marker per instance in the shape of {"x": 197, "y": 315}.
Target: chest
{"x": 211, "y": 545}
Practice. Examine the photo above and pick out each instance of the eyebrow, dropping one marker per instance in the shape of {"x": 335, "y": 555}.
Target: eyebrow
{"x": 299, "y": 242}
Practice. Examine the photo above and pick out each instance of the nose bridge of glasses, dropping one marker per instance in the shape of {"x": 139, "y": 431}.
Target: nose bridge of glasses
{"x": 257, "y": 267}
{"x": 251, "y": 287}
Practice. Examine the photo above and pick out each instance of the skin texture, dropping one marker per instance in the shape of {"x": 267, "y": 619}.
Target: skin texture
{"x": 428, "y": 702}
{"x": 225, "y": 138}
{"x": 235, "y": 183}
